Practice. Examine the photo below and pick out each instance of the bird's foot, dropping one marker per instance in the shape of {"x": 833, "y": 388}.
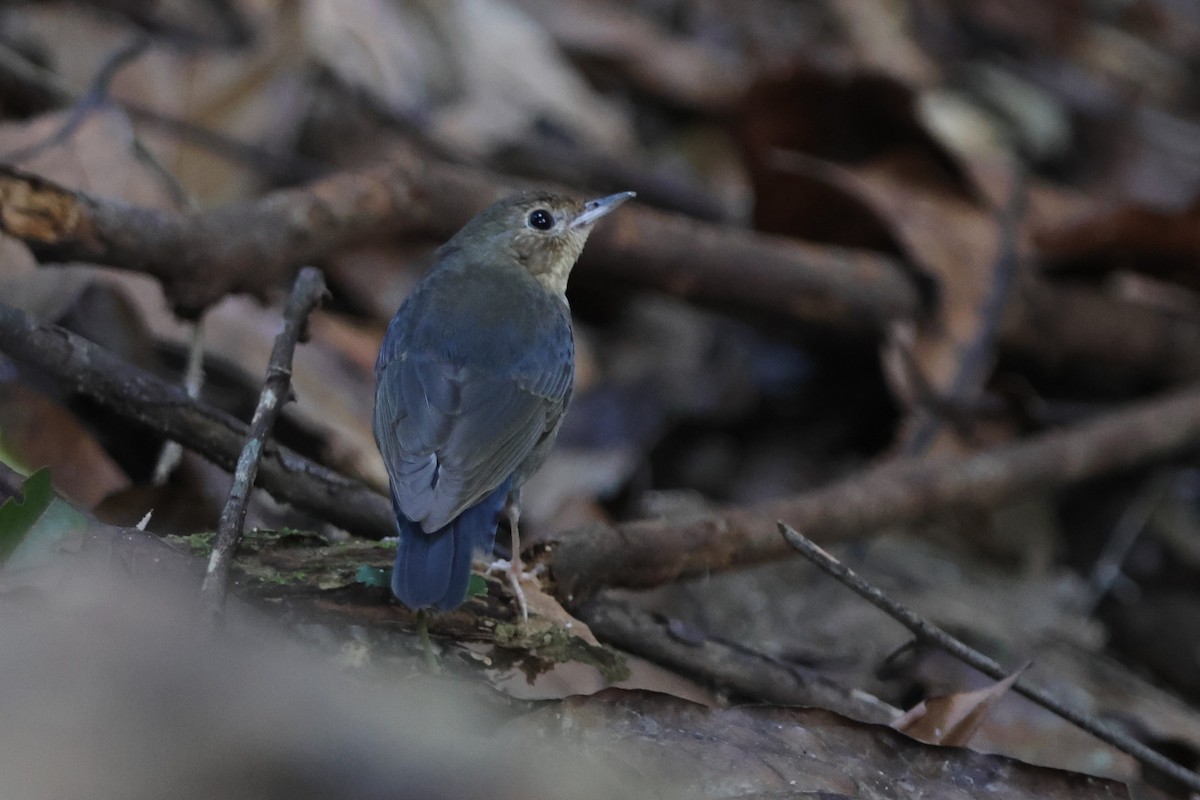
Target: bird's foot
{"x": 515, "y": 572}
{"x": 431, "y": 660}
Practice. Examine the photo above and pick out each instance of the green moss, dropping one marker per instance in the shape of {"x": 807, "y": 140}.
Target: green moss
{"x": 557, "y": 645}
{"x": 198, "y": 543}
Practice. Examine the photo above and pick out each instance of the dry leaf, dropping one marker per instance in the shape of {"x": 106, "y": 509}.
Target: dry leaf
{"x": 1161, "y": 244}
{"x": 244, "y": 94}
{"x": 952, "y": 719}
{"x": 387, "y": 48}
{"x": 36, "y": 432}
{"x": 333, "y": 376}
{"x": 681, "y": 70}
{"x": 98, "y": 157}
{"x": 571, "y": 678}
{"x": 849, "y": 159}
{"x": 481, "y": 72}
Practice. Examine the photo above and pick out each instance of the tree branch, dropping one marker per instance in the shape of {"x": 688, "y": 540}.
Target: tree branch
{"x": 927, "y": 632}
{"x": 254, "y": 246}
{"x": 654, "y": 552}
{"x": 167, "y": 410}
{"x": 727, "y": 665}
{"x": 309, "y": 289}
{"x": 199, "y": 258}
{"x": 251, "y": 247}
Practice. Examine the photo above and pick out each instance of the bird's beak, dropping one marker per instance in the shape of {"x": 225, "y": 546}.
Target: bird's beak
{"x": 595, "y": 209}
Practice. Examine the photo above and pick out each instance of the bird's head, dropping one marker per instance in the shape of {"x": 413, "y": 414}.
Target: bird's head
{"x": 543, "y": 231}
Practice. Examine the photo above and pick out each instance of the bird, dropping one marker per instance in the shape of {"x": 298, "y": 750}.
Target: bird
{"x": 474, "y": 375}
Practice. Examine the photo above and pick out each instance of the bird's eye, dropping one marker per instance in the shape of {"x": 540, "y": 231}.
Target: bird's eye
{"x": 541, "y": 219}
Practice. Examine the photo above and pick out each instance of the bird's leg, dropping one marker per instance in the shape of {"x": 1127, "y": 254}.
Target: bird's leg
{"x": 431, "y": 660}
{"x": 513, "y": 567}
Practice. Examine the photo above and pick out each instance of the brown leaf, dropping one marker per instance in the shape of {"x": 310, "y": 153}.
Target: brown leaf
{"x": 97, "y": 157}
{"x": 951, "y": 720}
{"x": 244, "y": 93}
{"x": 681, "y": 70}
{"x": 848, "y": 158}
{"x": 387, "y": 49}
{"x": 546, "y": 608}
{"x": 1162, "y": 244}
{"x": 482, "y": 71}
{"x": 970, "y": 254}
{"x": 880, "y": 36}
{"x": 571, "y": 678}
{"x": 333, "y": 378}
{"x": 842, "y": 117}
{"x": 39, "y": 432}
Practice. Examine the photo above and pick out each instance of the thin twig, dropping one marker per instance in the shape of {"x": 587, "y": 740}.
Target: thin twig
{"x": 95, "y": 97}
{"x": 977, "y": 357}
{"x": 926, "y": 631}
{"x": 1132, "y": 522}
{"x": 166, "y": 409}
{"x": 307, "y": 293}
{"x": 193, "y": 381}
{"x": 48, "y": 90}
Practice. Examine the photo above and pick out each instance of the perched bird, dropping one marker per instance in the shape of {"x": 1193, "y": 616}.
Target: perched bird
{"x": 474, "y": 375}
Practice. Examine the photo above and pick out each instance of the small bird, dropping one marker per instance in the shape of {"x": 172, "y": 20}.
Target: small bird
{"x": 474, "y": 375}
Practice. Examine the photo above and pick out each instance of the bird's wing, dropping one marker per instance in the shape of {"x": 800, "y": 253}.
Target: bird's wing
{"x": 451, "y": 433}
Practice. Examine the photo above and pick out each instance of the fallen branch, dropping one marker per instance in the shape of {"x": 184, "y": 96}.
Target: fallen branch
{"x": 167, "y": 410}
{"x": 1061, "y": 325}
{"x": 726, "y": 665}
{"x": 929, "y": 633}
{"x": 654, "y": 552}
{"x": 647, "y": 553}
{"x": 198, "y": 258}
{"x": 309, "y": 289}
{"x": 254, "y": 246}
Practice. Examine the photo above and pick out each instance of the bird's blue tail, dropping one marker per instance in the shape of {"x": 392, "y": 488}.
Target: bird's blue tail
{"x": 434, "y": 569}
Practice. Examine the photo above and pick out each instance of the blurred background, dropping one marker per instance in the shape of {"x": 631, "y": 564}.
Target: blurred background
{"x": 993, "y": 202}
